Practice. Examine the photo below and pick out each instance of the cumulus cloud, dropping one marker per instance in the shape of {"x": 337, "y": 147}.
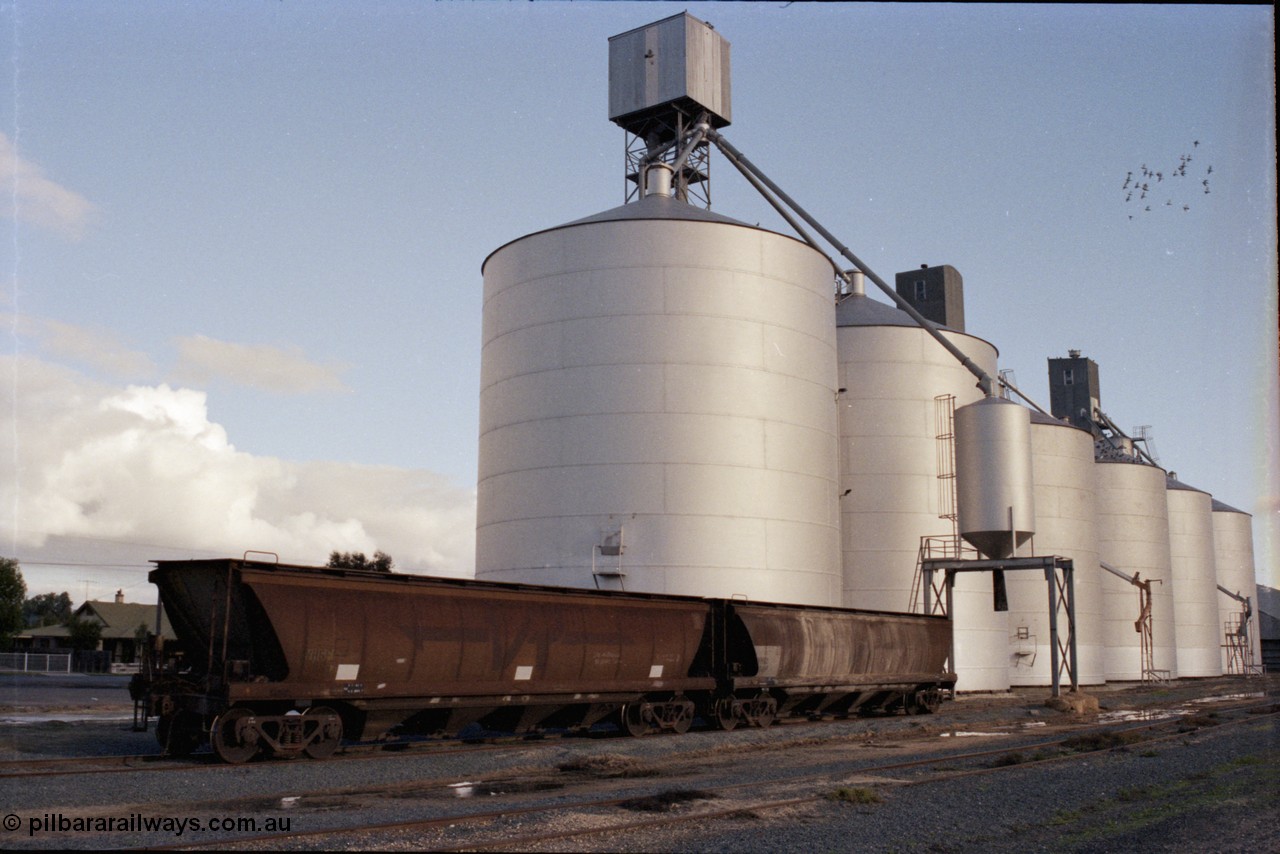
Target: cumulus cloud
{"x": 96, "y": 348}
{"x": 277, "y": 369}
{"x": 36, "y": 199}
{"x": 145, "y": 464}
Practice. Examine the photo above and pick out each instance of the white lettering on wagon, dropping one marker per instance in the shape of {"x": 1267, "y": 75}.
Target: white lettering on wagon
{"x": 523, "y": 672}
{"x": 347, "y": 672}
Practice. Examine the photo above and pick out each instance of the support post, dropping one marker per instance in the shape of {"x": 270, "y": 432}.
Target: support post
{"x": 1051, "y": 576}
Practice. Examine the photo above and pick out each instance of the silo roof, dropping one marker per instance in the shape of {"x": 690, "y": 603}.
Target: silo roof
{"x": 861, "y": 310}
{"x": 1038, "y": 417}
{"x": 1220, "y": 507}
{"x": 658, "y": 207}
{"x": 648, "y": 208}
{"x": 1177, "y": 484}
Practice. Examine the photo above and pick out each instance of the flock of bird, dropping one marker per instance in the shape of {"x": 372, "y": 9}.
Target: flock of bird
{"x": 1151, "y": 182}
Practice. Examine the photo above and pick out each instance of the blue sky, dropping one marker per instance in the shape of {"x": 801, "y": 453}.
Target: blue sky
{"x": 241, "y": 301}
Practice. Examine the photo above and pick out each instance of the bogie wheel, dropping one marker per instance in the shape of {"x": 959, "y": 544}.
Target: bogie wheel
{"x": 330, "y": 735}
{"x": 632, "y": 718}
{"x": 179, "y": 734}
{"x": 924, "y": 703}
{"x": 684, "y": 719}
{"x": 234, "y": 736}
{"x": 723, "y": 714}
{"x": 768, "y": 711}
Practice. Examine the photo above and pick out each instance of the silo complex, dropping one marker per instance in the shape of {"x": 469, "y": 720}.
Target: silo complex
{"x": 657, "y": 409}
{"x": 891, "y": 371}
{"x": 1233, "y": 560}
{"x": 1133, "y": 537}
{"x": 1066, "y": 525}
{"x": 1195, "y": 583}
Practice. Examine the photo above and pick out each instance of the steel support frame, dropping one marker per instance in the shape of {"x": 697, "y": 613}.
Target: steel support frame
{"x": 692, "y": 178}
{"x": 1059, "y": 575}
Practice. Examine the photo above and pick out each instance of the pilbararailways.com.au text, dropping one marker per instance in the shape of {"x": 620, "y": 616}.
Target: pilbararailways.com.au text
{"x": 139, "y": 823}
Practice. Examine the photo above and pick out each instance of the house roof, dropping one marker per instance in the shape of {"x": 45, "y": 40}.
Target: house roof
{"x": 121, "y": 619}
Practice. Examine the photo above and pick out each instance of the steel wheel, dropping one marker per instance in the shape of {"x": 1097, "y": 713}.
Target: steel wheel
{"x": 631, "y": 717}
{"x": 723, "y": 715}
{"x": 330, "y": 735}
{"x": 768, "y": 711}
{"x": 684, "y": 719}
{"x": 234, "y": 737}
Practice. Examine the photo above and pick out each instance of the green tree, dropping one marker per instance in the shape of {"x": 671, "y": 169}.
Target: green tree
{"x": 47, "y": 609}
{"x": 13, "y": 592}
{"x": 84, "y": 634}
{"x": 382, "y": 562}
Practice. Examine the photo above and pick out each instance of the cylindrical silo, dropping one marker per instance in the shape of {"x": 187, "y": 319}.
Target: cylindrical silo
{"x": 897, "y": 477}
{"x": 657, "y": 409}
{"x": 1133, "y": 537}
{"x": 1191, "y": 556}
{"x": 1066, "y": 525}
{"x": 995, "y": 498}
{"x": 1233, "y": 559}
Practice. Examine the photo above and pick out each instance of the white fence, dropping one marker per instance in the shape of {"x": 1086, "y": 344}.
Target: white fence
{"x": 41, "y": 662}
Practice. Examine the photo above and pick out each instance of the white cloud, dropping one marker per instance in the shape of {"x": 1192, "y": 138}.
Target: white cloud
{"x": 277, "y": 369}
{"x": 144, "y": 464}
{"x": 36, "y": 199}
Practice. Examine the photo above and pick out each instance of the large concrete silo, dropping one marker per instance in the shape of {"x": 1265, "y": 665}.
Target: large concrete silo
{"x": 1066, "y": 525}
{"x": 1233, "y": 560}
{"x": 1133, "y": 537}
{"x": 657, "y": 409}
{"x": 1195, "y": 582}
{"x": 890, "y": 372}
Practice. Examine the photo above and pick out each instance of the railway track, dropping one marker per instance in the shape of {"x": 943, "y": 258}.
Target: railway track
{"x": 389, "y": 750}
{"x": 714, "y": 801}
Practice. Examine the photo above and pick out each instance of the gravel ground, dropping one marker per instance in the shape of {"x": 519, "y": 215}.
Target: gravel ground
{"x": 1213, "y": 789}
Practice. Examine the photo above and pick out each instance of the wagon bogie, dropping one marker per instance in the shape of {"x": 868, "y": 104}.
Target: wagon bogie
{"x": 655, "y": 714}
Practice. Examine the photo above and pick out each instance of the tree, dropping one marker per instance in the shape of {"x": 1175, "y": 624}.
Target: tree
{"x": 47, "y": 609}
{"x": 84, "y": 634}
{"x": 382, "y": 562}
{"x": 13, "y": 592}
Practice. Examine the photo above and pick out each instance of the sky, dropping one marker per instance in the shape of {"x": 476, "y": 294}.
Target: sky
{"x": 243, "y": 241}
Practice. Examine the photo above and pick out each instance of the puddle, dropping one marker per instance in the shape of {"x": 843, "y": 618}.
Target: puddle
{"x": 1187, "y": 708}
{"x": 974, "y": 734}
{"x": 1221, "y": 698}
{"x": 468, "y": 789}
{"x": 1137, "y": 715}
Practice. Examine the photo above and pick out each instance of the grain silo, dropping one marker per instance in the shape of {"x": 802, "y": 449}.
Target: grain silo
{"x": 894, "y": 480}
{"x": 658, "y": 382}
{"x": 1066, "y": 525}
{"x": 1233, "y": 560}
{"x": 1195, "y": 604}
{"x": 1133, "y": 537}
